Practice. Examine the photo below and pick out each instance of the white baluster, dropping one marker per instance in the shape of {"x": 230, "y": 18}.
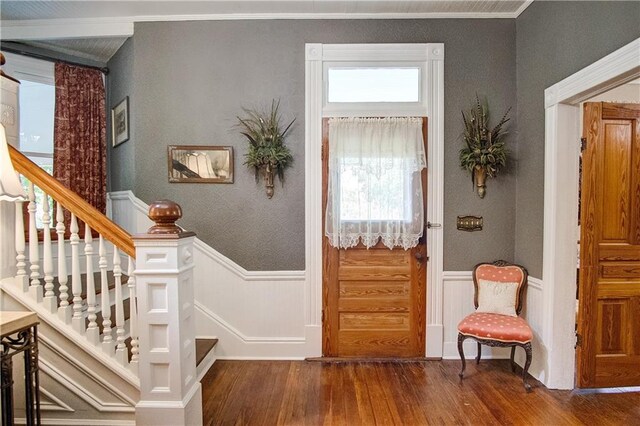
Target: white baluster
{"x": 105, "y": 303}
{"x": 21, "y": 274}
{"x": 50, "y": 301}
{"x": 64, "y": 311}
{"x": 133, "y": 315}
{"x": 121, "y": 348}
{"x": 76, "y": 284}
{"x": 35, "y": 289}
{"x": 93, "y": 333}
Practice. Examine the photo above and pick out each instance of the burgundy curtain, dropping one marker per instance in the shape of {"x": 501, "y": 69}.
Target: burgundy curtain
{"x": 79, "y": 137}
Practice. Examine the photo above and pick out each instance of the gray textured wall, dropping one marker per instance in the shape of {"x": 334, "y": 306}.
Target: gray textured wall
{"x": 554, "y": 40}
{"x": 121, "y": 161}
{"x": 191, "y": 79}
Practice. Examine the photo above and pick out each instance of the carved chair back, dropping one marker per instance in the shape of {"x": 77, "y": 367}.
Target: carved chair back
{"x": 501, "y": 272}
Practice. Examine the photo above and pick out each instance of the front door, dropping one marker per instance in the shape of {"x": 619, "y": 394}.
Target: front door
{"x": 373, "y": 299}
{"x": 609, "y": 293}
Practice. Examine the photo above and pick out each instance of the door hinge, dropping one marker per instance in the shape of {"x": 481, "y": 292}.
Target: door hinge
{"x": 578, "y": 340}
{"x": 322, "y": 316}
{"x": 583, "y": 144}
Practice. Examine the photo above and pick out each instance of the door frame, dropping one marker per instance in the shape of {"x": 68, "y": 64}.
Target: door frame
{"x": 432, "y": 55}
{"x": 561, "y": 176}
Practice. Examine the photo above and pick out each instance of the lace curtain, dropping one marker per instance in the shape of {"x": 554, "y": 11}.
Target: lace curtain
{"x": 375, "y": 188}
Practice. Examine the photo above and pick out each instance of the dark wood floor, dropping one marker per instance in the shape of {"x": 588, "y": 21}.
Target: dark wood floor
{"x": 417, "y": 393}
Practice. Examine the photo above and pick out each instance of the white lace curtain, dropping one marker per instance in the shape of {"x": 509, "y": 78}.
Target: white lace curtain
{"x": 375, "y": 187}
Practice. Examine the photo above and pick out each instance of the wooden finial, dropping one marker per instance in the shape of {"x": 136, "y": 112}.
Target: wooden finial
{"x": 164, "y": 213}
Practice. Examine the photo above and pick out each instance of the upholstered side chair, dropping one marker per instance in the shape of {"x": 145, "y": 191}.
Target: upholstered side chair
{"x": 499, "y": 292}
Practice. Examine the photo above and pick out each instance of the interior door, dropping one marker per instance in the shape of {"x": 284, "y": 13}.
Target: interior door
{"x": 373, "y": 299}
{"x": 609, "y": 302}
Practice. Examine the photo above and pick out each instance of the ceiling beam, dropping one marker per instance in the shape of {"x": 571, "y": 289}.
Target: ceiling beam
{"x": 47, "y": 29}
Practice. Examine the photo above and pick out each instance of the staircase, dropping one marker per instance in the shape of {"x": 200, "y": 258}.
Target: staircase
{"x": 78, "y": 273}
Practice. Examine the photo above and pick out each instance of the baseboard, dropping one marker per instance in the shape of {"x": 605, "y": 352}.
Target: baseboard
{"x": 80, "y": 422}
{"x": 434, "y": 340}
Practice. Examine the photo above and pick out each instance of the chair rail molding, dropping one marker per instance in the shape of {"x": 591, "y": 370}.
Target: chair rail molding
{"x": 562, "y": 131}
{"x": 254, "y": 314}
{"x": 432, "y": 56}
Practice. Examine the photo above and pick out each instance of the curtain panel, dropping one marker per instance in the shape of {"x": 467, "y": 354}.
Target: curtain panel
{"x": 79, "y": 137}
{"x": 374, "y": 184}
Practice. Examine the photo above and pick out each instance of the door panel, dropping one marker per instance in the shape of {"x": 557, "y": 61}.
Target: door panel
{"x": 373, "y": 299}
{"x": 609, "y": 305}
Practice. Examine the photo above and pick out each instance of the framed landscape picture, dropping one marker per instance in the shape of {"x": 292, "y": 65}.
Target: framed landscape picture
{"x": 120, "y": 122}
{"x": 200, "y": 164}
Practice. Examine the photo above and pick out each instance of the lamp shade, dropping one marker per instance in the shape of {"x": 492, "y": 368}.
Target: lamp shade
{"x": 10, "y": 187}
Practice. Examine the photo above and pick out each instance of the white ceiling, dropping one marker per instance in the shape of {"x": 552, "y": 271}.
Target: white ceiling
{"x": 96, "y": 29}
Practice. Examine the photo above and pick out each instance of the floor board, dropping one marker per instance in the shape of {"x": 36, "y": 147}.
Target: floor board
{"x": 382, "y": 393}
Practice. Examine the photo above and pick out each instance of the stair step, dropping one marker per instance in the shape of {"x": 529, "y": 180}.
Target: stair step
{"x": 203, "y": 347}
{"x": 83, "y": 280}
{"x": 126, "y": 303}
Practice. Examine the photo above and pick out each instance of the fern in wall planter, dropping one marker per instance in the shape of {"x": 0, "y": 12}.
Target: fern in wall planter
{"x": 267, "y": 153}
{"x": 485, "y": 152}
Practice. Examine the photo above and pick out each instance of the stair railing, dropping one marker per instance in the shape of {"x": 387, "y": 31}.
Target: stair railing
{"x": 86, "y": 308}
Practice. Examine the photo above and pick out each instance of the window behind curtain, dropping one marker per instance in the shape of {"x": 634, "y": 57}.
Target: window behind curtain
{"x": 37, "y": 104}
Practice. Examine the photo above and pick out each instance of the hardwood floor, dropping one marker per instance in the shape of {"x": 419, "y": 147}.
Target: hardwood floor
{"x": 409, "y": 393}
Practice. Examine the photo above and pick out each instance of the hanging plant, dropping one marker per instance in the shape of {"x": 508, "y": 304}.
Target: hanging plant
{"x": 485, "y": 152}
{"x": 267, "y": 153}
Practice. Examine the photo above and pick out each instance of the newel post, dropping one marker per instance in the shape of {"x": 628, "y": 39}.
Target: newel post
{"x": 169, "y": 391}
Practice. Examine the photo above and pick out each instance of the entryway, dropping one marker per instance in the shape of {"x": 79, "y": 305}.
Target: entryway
{"x": 421, "y": 67}
{"x": 562, "y": 122}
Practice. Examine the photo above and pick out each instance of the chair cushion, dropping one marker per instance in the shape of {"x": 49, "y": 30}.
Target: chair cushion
{"x": 497, "y": 297}
{"x": 502, "y": 328}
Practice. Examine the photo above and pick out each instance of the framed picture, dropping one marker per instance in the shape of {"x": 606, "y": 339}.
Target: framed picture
{"x": 200, "y": 164}
{"x": 120, "y": 122}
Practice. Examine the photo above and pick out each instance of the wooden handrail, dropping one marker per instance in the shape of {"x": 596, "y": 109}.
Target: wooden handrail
{"x": 73, "y": 202}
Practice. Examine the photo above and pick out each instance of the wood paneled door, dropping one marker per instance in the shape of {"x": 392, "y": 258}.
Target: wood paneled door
{"x": 608, "y": 354}
{"x": 373, "y": 299}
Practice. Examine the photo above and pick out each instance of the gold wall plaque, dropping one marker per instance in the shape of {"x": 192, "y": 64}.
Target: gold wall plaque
{"x": 470, "y": 223}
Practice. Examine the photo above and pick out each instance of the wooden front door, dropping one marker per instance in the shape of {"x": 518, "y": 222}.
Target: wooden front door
{"x": 609, "y": 293}
{"x": 373, "y": 299}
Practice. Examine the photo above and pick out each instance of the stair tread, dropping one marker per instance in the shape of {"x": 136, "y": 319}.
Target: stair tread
{"x": 83, "y": 279}
{"x": 203, "y": 347}
{"x": 126, "y": 303}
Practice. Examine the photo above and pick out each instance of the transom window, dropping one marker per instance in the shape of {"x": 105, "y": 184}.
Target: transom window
{"x": 384, "y": 88}
{"x": 369, "y": 84}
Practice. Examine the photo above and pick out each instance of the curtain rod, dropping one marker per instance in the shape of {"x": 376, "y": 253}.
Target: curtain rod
{"x": 18, "y": 51}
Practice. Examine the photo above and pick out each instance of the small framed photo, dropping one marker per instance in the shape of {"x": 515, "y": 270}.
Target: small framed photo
{"x": 200, "y": 164}
{"x": 120, "y": 122}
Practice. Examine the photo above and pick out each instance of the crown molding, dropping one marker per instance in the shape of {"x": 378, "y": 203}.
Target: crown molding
{"x": 43, "y": 29}
{"x": 522, "y": 8}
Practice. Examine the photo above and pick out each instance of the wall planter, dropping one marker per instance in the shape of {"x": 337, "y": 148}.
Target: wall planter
{"x": 267, "y": 153}
{"x": 484, "y": 153}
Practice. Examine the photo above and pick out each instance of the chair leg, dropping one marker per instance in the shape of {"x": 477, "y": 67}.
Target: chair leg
{"x": 527, "y": 349}
{"x": 479, "y": 353}
{"x": 461, "y": 338}
{"x": 513, "y": 364}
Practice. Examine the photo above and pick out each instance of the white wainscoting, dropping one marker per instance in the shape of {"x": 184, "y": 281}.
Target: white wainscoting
{"x": 255, "y": 314}
{"x": 261, "y": 314}
{"x": 458, "y": 302}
